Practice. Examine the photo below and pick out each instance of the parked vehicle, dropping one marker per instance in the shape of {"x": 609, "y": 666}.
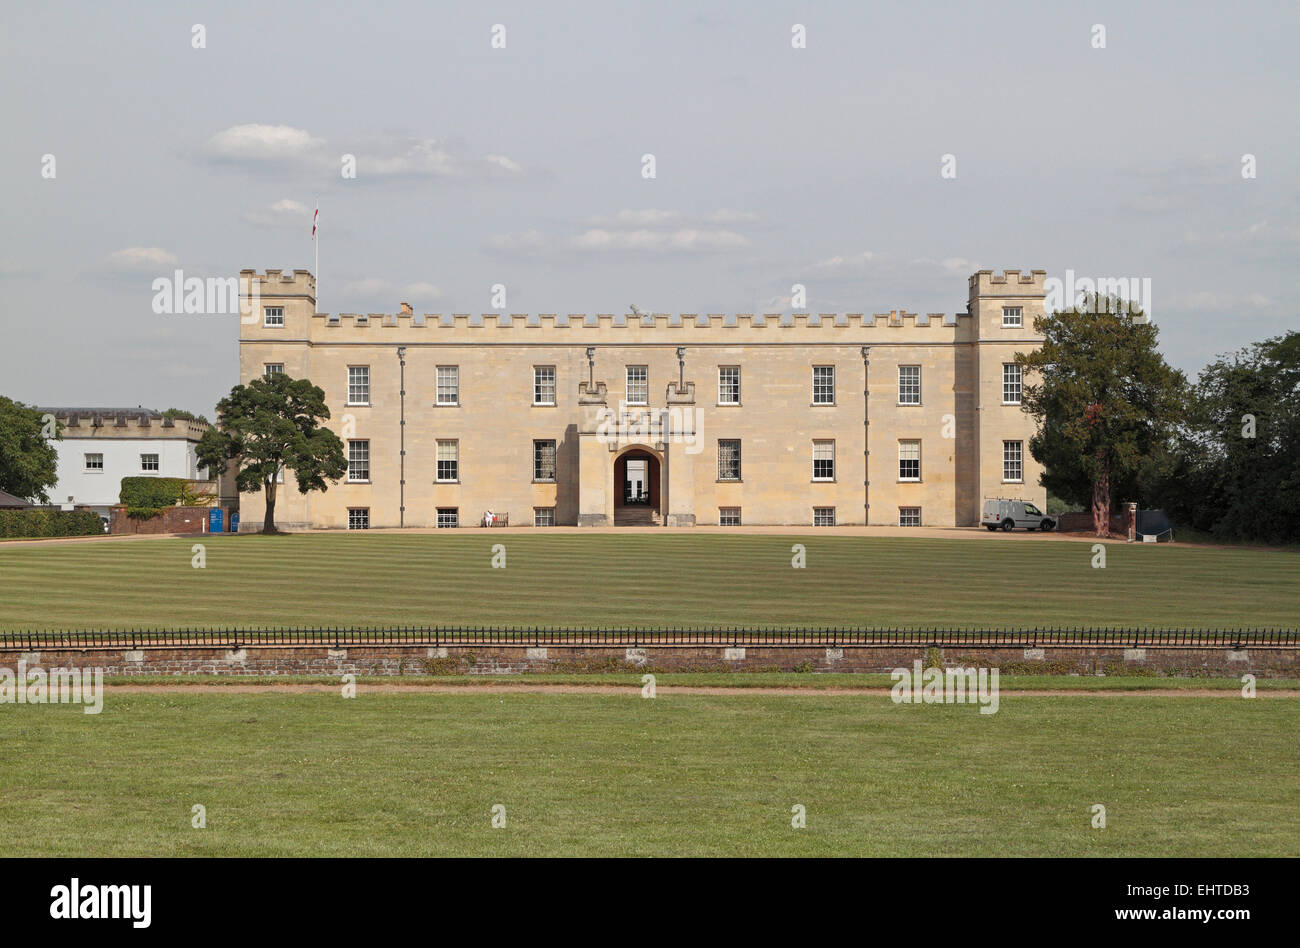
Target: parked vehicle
{"x": 1007, "y": 514}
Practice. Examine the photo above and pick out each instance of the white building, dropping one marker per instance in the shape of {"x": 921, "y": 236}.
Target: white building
{"x": 100, "y": 446}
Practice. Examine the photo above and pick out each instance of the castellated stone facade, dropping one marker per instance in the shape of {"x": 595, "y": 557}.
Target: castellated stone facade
{"x": 888, "y": 419}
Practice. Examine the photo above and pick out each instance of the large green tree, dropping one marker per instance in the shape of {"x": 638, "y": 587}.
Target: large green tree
{"x": 1238, "y": 459}
{"x": 1106, "y": 403}
{"x": 269, "y": 425}
{"x": 28, "y": 462}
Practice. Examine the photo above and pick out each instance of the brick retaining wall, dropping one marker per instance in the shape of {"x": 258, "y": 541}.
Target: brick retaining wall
{"x": 395, "y": 660}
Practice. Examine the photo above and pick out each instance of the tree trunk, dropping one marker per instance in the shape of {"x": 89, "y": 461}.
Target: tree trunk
{"x": 1101, "y": 498}
{"x": 268, "y": 522}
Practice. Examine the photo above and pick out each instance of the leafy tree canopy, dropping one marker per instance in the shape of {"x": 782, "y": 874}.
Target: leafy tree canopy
{"x": 1105, "y": 400}
{"x": 271, "y": 424}
{"x": 28, "y": 462}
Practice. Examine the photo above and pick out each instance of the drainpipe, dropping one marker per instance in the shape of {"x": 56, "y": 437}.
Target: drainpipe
{"x": 401, "y": 516}
{"x": 866, "y": 435}
{"x": 663, "y": 472}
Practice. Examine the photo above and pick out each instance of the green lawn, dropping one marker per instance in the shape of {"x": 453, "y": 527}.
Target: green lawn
{"x": 418, "y": 774}
{"x": 648, "y": 579}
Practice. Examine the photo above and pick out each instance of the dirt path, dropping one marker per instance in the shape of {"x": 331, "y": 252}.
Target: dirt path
{"x": 635, "y": 690}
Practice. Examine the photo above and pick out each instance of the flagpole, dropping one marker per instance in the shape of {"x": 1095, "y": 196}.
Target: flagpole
{"x": 315, "y": 239}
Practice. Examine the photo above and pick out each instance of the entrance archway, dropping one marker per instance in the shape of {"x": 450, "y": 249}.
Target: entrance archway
{"x": 637, "y": 489}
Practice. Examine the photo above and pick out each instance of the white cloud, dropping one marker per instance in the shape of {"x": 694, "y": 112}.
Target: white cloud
{"x": 283, "y": 213}
{"x": 652, "y": 217}
{"x": 853, "y": 263}
{"x": 263, "y": 143}
{"x": 140, "y": 259}
{"x": 728, "y": 216}
{"x": 421, "y": 291}
{"x": 8, "y": 270}
{"x": 525, "y": 242}
{"x": 648, "y": 217}
{"x": 384, "y": 157}
{"x": 1261, "y": 234}
{"x": 504, "y": 163}
{"x": 371, "y": 286}
{"x": 429, "y": 158}
{"x": 1209, "y": 301}
{"x": 375, "y": 292}
{"x": 656, "y": 241}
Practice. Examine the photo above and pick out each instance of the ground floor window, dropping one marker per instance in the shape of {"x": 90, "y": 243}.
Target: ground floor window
{"x": 909, "y": 516}
{"x": 358, "y": 518}
{"x": 543, "y": 516}
{"x": 728, "y": 516}
{"x": 448, "y": 516}
{"x": 823, "y": 516}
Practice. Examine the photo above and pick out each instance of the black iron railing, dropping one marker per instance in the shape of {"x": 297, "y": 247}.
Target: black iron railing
{"x": 650, "y": 637}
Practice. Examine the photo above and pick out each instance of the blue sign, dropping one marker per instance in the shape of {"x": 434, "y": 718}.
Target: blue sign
{"x": 214, "y": 520}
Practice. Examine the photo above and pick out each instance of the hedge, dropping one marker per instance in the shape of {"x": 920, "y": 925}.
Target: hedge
{"x": 153, "y": 493}
{"x": 41, "y": 522}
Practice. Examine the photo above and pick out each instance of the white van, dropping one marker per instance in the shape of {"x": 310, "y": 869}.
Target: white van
{"x": 1009, "y": 514}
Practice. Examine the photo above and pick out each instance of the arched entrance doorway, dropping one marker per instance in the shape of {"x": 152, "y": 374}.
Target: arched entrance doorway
{"x": 636, "y": 489}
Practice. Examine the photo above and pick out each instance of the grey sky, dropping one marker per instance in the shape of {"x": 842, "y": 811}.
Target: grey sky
{"x": 522, "y": 166}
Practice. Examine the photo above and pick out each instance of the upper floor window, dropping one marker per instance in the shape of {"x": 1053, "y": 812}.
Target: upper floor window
{"x": 1010, "y": 383}
{"x": 543, "y": 385}
{"x": 909, "y": 460}
{"x": 728, "y": 460}
{"x": 638, "y": 385}
{"x": 94, "y": 462}
{"x": 358, "y": 460}
{"x": 1013, "y": 461}
{"x": 728, "y": 385}
{"x": 448, "y": 385}
{"x": 823, "y": 385}
{"x": 823, "y": 460}
{"x": 544, "y": 461}
{"x": 273, "y": 368}
{"x": 1012, "y": 317}
{"x": 149, "y": 462}
{"x": 909, "y": 385}
{"x": 273, "y": 316}
{"x": 358, "y": 385}
{"x": 448, "y": 461}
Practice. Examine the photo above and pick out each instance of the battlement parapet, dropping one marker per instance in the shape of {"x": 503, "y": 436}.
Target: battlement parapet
{"x": 523, "y": 322}
{"x": 1008, "y": 283}
{"x": 280, "y": 282}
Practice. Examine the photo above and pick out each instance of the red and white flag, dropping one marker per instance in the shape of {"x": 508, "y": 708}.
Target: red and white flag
{"x": 314, "y": 218}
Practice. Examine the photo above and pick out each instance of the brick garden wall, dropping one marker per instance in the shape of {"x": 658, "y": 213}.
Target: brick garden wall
{"x": 488, "y": 660}
{"x": 171, "y": 520}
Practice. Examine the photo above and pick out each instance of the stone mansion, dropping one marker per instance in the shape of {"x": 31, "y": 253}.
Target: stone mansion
{"x": 891, "y": 419}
